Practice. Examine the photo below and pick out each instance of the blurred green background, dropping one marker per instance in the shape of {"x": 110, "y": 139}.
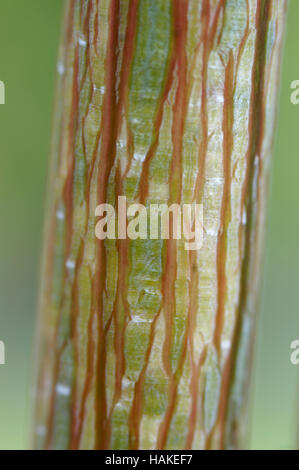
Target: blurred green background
{"x": 29, "y": 35}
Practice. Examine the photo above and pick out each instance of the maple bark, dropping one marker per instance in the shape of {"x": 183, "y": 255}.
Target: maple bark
{"x": 142, "y": 344}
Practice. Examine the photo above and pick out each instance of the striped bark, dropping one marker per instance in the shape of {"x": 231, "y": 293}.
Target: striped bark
{"x": 142, "y": 344}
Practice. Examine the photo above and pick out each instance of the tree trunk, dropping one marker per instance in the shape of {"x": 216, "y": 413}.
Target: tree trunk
{"x": 142, "y": 343}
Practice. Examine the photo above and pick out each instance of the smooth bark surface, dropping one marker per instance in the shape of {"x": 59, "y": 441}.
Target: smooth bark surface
{"x": 143, "y": 344}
